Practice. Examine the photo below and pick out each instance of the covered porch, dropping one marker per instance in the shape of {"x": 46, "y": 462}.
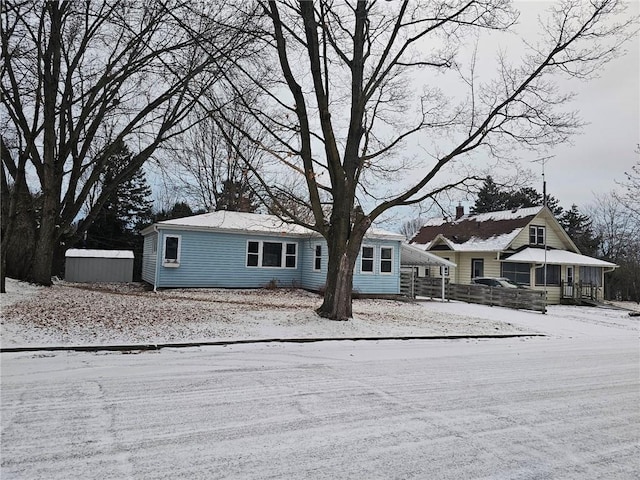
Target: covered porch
{"x": 578, "y": 278}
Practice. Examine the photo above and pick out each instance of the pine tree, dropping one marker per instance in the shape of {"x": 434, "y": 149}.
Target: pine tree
{"x": 579, "y": 227}
{"x": 124, "y": 213}
{"x": 490, "y": 198}
{"x": 237, "y": 196}
{"x": 493, "y": 198}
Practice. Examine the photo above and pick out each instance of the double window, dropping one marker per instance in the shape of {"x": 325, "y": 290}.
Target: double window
{"x": 536, "y": 235}
{"x": 368, "y": 260}
{"x": 271, "y": 254}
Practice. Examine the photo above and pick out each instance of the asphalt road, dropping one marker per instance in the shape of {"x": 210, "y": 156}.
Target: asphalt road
{"x": 538, "y": 408}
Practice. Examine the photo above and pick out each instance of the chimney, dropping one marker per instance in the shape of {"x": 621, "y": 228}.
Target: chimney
{"x": 459, "y": 211}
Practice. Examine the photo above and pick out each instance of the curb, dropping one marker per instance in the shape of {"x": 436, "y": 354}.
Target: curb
{"x": 158, "y": 346}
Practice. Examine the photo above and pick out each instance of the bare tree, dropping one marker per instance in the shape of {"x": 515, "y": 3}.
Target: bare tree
{"x": 354, "y": 82}
{"x": 630, "y": 195}
{"x": 209, "y": 169}
{"x": 80, "y": 78}
{"x": 618, "y": 229}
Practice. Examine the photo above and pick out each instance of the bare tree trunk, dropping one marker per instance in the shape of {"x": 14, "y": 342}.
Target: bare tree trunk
{"x": 339, "y": 285}
{"x": 344, "y": 242}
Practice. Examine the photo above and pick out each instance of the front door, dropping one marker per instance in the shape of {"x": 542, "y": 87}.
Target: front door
{"x": 477, "y": 267}
{"x": 568, "y": 289}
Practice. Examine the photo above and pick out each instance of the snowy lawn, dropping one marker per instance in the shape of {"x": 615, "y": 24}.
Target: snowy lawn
{"x": 84, "y": 314}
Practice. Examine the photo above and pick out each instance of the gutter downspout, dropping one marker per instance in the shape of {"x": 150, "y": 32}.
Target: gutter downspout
{"x": 155, "y": 275}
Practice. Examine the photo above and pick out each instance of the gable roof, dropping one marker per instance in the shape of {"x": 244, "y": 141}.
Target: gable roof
{"x": 241, "y": 222}
{"x": 492, "y": 231}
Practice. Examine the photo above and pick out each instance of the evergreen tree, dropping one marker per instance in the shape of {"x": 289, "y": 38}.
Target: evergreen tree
{"x": 237, "y": 196}
{"x": 178, "y": 210}
{"x": 125, "y": 211}
{"x": 579, "y": 227}
{"x": 492, "y": 198}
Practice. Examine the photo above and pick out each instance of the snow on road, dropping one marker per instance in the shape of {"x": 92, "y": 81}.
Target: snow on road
{"x": 501, "y": 409}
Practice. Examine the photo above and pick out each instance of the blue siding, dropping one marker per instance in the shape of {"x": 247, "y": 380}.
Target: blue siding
{"x": 215, "y": 259}
{"x": 212, "y": 259}
{"x": 149, "y": 259}
{"x": 313, "y": 279}
{"x": 377, "y": 282}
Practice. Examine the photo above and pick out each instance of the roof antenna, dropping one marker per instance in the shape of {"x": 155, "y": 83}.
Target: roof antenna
{"x": 543, "y": 161}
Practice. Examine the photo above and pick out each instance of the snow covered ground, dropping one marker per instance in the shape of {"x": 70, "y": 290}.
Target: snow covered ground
{"x": 82, "y": 314}
{"x": 563, "y": 406}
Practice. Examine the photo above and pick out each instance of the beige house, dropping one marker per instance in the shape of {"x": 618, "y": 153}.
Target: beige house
{"x": 525, "y": 245}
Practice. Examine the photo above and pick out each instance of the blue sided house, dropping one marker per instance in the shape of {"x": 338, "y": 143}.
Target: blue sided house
{"x": 247, "y": 250}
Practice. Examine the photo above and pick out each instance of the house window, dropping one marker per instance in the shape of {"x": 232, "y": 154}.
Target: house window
{"x": 172, "y": 250}
{"x": 290, "y": 255}
{"x": 477, "y": 267}
{"x": 253, "y": 254}
{"x": 591, "y": 275}
{"x": 444, "y": 271}
{"x": 366, "y": 260}
{"x": 518, "y": 273}
{"x": 271, "y": 254}
{"x": 317, "y": 259}
{"x": 154, "y": 246}
{"x": 386, "y": 260}
{"x": 553, "y": 275}
{"x": 536, "y": 235}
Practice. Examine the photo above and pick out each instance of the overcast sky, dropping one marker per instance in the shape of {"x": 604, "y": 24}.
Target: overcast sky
{"x": 605, "y": 148}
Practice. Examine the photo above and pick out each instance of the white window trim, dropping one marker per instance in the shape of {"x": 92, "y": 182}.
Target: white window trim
{"x": 392, "y": 259}
{"x": 283, "y": 259}
{"x": 373, "y": 260}
{"x": 537, "y": 229}
{"x": 171, "y": 263}
{"x": 154, "y": 245}
{"x": 316, "y": 257}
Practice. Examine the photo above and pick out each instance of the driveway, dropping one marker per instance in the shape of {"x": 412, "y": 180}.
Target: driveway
{"x": 564, "y": 406}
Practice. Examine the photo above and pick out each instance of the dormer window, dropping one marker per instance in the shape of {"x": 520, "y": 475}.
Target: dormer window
{"x": 536, "y": 235}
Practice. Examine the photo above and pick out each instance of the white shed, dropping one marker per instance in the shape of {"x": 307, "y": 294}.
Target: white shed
{"x": 87, "y": 266}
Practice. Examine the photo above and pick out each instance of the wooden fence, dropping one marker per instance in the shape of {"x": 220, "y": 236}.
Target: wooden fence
{"x": 521, "y": 298}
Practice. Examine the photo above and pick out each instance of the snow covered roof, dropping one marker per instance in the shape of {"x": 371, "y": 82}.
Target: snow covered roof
{"x": 88, "y": 253}
{"x": 556, "y": 257}
{"x": 240, "y": 222}
{"x": 413, "y": 256}
{"x": 492, "y": 231}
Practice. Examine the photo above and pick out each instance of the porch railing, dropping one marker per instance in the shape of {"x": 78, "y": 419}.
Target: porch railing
{"x": 579, "y": 290}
